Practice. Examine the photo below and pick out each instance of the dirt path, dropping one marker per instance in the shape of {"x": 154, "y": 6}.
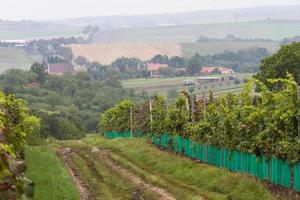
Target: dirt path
{"x": 135, "y": 179}
{"x": 83, "y": 191}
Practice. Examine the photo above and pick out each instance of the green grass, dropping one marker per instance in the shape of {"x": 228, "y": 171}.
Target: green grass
{"x": 103, "y": 182}
{"x": 34, "y": 30}
{"x": 273, "y": 29}
{"x": 162, "y": 85}
{"x": 48, "y": 172}
{"x": 184, "y": 178}
{"x": 15, "y": 58}
{"x": 209, "y": 48}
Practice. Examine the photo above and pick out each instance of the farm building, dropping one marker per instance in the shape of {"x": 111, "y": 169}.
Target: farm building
{"x": 60, "y": 68}
{"x": 211, "y": 79}
{"x": 154, "y": 68}
{"x": 212, "y": 70}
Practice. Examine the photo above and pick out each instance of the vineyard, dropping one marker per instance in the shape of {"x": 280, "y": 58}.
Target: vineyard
{"x": 255, "y": 132}
{"x": 15, "y": 125}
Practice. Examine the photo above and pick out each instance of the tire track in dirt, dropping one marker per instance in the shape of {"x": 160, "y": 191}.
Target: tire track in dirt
{"x": 82, "y": 189}
{"x": 135, "y": 179}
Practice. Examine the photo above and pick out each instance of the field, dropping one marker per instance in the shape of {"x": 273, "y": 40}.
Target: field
{"x": 161, "y": 86}
{"x": 209, "y": 48}
{"x": 15, "y": 58}
{"x": 275, "y": 30}
{"x": 132, "y": 169}
{"x": 28, "y": 30}
{"x": 107, "y": 53}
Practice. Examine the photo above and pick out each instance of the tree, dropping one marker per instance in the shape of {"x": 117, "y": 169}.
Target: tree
{"x": 194, "y": 64}
{"x": 81, "y": 61}
{"x": 286, "y": 60}
{"x": 39, "y": 70}
{"x": 167, "y": 72}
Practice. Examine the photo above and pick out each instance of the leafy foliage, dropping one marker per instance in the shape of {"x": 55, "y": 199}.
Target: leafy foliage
{"x": 67, "y": 105}
{"x": 259, "y": 120}
{"x": 287, "y": 59}
{"x": 116, "y": 118}
{"x": 15, "y": 125}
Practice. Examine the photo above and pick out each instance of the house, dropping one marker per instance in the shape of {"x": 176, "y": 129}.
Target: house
{"x": 212, "y": 70}
{"x": 60, "y": 68}
{"x": 154, "y": 68}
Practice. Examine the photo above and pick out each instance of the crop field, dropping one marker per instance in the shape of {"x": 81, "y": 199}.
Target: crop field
{"x": 132, "y": 169}
{"x": 33, "y": 30}
{"x": 107, "y": 53}
{"x": 275, "y": 30}
{"x": 208, "y": 48}
{"x": 15, "y": 58}
{"x": 161, "y": 86}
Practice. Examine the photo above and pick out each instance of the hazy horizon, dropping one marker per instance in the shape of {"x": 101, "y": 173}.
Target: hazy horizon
{"x": 63, "y": 9}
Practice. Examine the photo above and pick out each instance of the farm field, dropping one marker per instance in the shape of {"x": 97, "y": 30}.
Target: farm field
{"x": 209, "y": 48}
{"x": 272, "y": 29}
{"x": 28, "y": 30}
{"x": 134, "y": 169}
{"x": 161, "y": 86}
{"x": 15, "y": 58}
{"x": 107, "y": 53}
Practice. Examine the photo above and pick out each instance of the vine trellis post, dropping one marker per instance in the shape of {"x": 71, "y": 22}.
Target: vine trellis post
{"x": 131, "y": 121}
{"x": 298, "y": 103}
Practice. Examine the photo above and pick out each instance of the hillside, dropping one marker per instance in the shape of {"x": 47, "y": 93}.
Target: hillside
{"x": 275, "y": 30}
{"x": 15, "y": 58}
{"x": 107, "y": 53}
{"x": 196, "y": 17}
{"x": 28, "y": 30}
{"x": 209, "y": 48}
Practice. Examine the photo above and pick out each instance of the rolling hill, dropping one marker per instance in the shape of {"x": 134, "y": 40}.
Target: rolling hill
{"x": 15, "y": 58}
{"x": 186, "y": 18}
{"x": 28, "y": 30}
{"x": 107, "y": 53}
{"x": 275, "y": 30}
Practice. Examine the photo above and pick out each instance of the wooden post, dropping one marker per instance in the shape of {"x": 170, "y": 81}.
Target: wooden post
{"x": 193, "y": 108}
{"x": 298, "y": 101}
{"x": 204, "y": 102}
{"x": 150, "y": 110}
{"x": 131, "y": 121}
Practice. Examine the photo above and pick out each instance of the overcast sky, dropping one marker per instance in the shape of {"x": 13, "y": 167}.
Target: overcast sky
{"x": 56, "y": 9}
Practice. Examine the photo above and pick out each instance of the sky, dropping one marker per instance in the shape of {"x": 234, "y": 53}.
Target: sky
{"x": 59, "y": 9}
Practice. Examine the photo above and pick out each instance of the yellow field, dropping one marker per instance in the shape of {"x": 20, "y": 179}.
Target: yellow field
{"x": 108, "y": 53}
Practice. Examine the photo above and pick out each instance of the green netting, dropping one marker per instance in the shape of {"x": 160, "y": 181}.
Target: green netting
{"x": 275, "y": 171}
{"x": 297, "y": 177}
{"x": 245, "y": 163}
{"x": 227, "y": 158}
{"x": 218, "y": 157}
{"x": 285, "y": 174}
{"x": 197, "y": 152}
{"x": 258, "y": 166}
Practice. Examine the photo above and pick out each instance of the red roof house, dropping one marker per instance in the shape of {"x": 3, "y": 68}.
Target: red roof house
{"x": 154, "y": 68}
{"x": 60, "y": 68}
{"x": 222, "y": 70}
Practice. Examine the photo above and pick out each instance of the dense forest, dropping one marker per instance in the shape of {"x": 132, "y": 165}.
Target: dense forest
{"x": 68, "y": 105}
